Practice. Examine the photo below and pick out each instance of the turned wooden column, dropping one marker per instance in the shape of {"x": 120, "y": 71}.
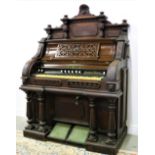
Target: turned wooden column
{"x": 92, "y": 123}
{"x": 112, "y": 118}
{"x": 29, "y": 111}
{"x": 41, "y": 103}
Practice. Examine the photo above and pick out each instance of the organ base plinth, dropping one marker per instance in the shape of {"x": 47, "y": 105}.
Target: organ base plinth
{"x": 103, "y": 143}
{"x": 35, "y": 134}
{"x": 101, "y": 146}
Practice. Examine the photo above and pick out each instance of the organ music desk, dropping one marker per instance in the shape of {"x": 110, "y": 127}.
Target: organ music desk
{"x": 76, "y": 84}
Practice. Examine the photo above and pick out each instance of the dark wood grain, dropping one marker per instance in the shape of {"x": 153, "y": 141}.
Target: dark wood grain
{"x": 92, "y": 53}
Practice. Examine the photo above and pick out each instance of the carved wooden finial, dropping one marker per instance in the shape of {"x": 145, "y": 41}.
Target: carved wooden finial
{"x": 124, "y": 29}
{"x": 101, "y": 13}
{"x": 124, "y": 21}
{"x": 65, "y": 19}
{"x": 84, "y": 9}
{"x": 48, "y": 30}
{"x": 66, "y": 16}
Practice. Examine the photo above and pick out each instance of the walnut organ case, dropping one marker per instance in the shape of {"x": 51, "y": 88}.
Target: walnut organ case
{"x": 76, "y": 84}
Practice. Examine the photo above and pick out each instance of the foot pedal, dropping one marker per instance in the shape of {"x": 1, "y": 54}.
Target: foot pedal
{"x": 60, "y": 131}
{"x": 78, "y": 134}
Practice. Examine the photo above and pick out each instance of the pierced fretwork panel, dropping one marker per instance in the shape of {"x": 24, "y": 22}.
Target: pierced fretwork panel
{"x": 87, "y": 50}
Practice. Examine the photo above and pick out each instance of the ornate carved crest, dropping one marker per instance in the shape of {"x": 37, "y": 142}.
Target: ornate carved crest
{"x": 85, "y": 24}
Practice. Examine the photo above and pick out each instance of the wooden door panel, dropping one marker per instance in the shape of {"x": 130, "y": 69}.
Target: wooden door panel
{"x": 67, "y": 108}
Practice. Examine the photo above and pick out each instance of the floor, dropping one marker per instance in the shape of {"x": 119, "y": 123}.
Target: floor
{"x": 130, "y": 143}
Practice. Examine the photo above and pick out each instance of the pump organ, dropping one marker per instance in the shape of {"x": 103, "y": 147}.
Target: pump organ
{"x": 79, "y": 77}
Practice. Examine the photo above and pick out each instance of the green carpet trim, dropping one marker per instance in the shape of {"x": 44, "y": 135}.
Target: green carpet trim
{"x": 78, "y": 134}
{"x": 59, "y": 131}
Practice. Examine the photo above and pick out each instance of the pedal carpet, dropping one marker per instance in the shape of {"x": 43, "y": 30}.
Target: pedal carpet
{"x": 59, "y": 131}
{"x": 78, "y": 134}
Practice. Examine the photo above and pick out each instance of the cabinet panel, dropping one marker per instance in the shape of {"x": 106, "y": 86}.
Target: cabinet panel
{"x": 102, "y": 117}
{"x": 71, "y": 108}
{"x": 106, "y": 116}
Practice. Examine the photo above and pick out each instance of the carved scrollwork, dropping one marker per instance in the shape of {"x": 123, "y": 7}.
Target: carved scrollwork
{"x": 78, "y": 49}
